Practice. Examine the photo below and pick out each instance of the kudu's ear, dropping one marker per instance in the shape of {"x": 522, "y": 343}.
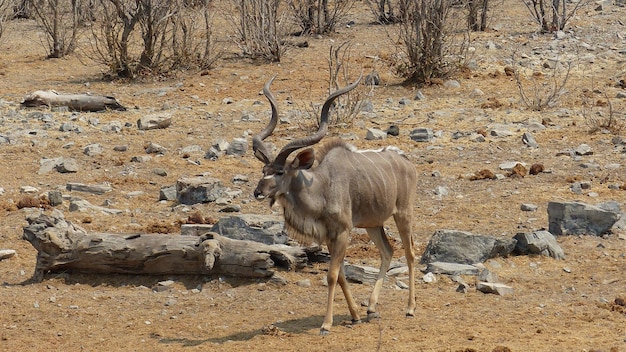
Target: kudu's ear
{"x": 304, "y": 159}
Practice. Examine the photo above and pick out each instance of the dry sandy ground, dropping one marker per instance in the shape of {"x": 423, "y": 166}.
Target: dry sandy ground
{"x": 563, "y": 305}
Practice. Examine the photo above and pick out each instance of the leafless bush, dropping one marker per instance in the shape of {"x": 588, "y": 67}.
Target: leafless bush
{"x": 21, "y": 9}
{"x": 152, "y": 37}
{"x": 599, "y": 114}
{"x": 553, "y": 15}
{"x": 260, "y": 28}
{"x": 60, "y": 21}
{"x": 319, "y": 16}
{"x": 541, "y": 91}
{"x": 433, "y": 45}
{"x": 4, "y": 14}
{"x": 347, "y": 107}
{"x": 474, "y": 8}
{"x": 386, "y": 11}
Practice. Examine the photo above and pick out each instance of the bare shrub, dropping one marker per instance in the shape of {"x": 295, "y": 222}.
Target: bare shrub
{"x": 539, "y": 91}
{"x": 22, "y": 9}
{"x": 260, "y": 28}
{"x": 553, "y": 15}
{"x": 152, "y": 37}
{"x": 319, "y": 16}
{"x": 60, "y": 21}
{"x": 347, "y": 107}
{"x": 476, "y": 8}
{"x": 4, "y": 14}
{"x": 386, "y": 11}
{"x": 433, "y": 45}
{"x": 599, "y": 114}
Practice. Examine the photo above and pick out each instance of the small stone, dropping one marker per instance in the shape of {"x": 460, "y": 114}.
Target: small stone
{"x": 528, "y": 207}
{"x": 7, "y": 253}
{"x": 304, "y": 283}
{"x": 159, "y": 171}
{"x": 429, "y": 278}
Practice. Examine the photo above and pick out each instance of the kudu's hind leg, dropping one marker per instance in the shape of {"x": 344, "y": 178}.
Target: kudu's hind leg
{"x": 377, "y": 234}
{"x": 403, "y": 222}
{"x": 352, "y": 306}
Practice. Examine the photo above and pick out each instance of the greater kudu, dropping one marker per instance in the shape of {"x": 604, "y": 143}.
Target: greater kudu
{"x": 346, "y": 188}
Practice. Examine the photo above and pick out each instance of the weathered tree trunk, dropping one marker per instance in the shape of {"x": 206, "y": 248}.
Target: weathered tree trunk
{"x": 65, "y": 247}
{"x": 77, "y": 102}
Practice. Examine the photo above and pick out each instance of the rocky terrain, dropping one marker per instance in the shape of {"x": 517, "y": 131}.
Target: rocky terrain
{"x": 472, "y": 127}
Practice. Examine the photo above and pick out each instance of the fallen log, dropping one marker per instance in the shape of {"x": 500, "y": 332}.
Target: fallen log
{"x": 66, "y": 247}
{"x": 75, "y": 102}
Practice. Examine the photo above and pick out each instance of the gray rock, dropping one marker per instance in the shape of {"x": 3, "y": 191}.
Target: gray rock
{"x": 238, "y": 146}
{"x": 7, "y": 253}
{"x": 154, "y": 148}
{"x": 159, "y": 171}
{"x": 495, "y": 288}
{"x": 419, "y": 96}
{"x": 452, "y": 84}
{"x": 372, "y": 79}
{"x": 360, "y": 273}
{"x": 194, "y": 190}
{"x": 258, "y": 228}
{"x": 55, "y": 198}
{"x": 441, "y": 191}
{"x": 509, "y": 165}
{"x": 422, "y": 135}
{"x": 528, "y": 207}
{"x": 68, "y": 165}
{"x": 462, "y": 247}
{"x": 583, "y": 149}
{"x": 578, "y": 218}
{"x": 476, "y": 92}
{"x": 113, "y": 126}
{"x": 140, "y": 159}
{"x": 47, "y": 165}
{"x": 374, "y": 134}
{"x": 477, "y": 137}
{"x": 152, "y": 122}
{"x": 393, "y": 130}
{"x": 93, "y": 189}
{"x": 452, "y": 268}
{"x": 221, "y": 145}
{"x": 486, "y": 275}
{"x": 93, "y": 149}
{"x": 213, "y": 154}
{"x": 529, "y": 140}
{"x": 367, "y": 106}
{"x": 167, "y": 193}
{"x": 500, "y": 133}
{"x": 240, "y": 178}
{"x": 538, "y": 242}
{"x": 191, "y": 149}
{"x": 232, "y": 208}
{"x": 77, "y": 204}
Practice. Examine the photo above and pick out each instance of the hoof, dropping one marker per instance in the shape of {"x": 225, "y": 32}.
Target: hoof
{"x": 324, "y": 332}
{"x": 410, "y": 315}
{"x": 372, "y": 316}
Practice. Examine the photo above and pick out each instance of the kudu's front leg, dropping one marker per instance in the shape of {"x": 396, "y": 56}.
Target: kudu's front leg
{"x": 337, "y": 248}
